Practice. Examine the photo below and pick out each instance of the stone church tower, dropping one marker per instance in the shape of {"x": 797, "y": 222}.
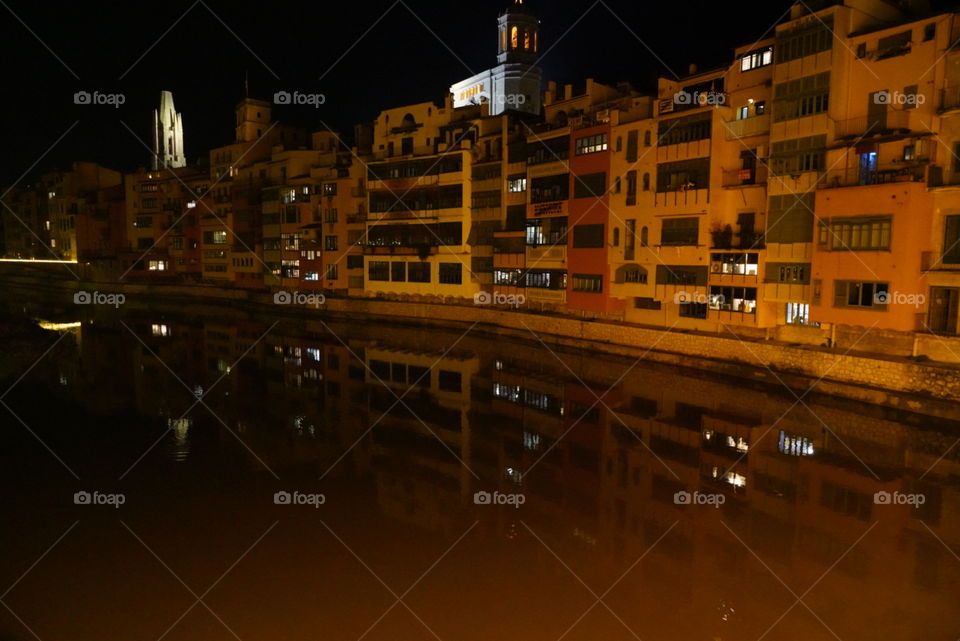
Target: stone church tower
{"x": 167, "y": 135}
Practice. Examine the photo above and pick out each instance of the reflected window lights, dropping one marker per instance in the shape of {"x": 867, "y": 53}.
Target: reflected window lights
{"x": 738, "y": 444}
{"x": 794, "y": 445}
{"x": 734, "y": 479}
{"x": 198, "y": 391}
{"x": 507, "y": 392}
{"x": 532, "y": 442}
{"x": 63, "y": 380}
{"x": 498, "y": 365}
{"x": 192, "y": 204}
{"x": 158, "y": 329}
{"x": 313, "y": 353}
{"x": 513, "y": 475}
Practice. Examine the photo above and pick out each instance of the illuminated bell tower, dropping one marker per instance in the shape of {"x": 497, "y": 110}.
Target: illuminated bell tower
{"x": 167, "y": 135}
{"x": 519, "y": 35}
{"x": 515, "y": 83}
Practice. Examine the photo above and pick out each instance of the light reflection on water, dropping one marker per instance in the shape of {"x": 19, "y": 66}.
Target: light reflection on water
{"x": 693, "y": 507}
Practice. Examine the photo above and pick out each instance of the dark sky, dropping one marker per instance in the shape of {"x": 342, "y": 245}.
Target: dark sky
{"x": 398, "y": 61}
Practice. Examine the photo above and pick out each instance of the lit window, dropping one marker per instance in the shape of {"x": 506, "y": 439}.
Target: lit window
{"x": 514, "y": 38}
{"x": 160, "y": 330}
{"x": 795, "y": 445}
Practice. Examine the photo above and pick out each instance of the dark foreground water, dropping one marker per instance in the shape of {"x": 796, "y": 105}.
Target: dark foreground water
{"x": 171, "y": 476}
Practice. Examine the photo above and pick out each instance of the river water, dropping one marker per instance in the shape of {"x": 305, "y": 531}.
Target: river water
{"x": 192, "y": 475}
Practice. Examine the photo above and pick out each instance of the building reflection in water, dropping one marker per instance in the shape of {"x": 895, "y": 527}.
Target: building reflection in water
{"x": 600, "y": 447}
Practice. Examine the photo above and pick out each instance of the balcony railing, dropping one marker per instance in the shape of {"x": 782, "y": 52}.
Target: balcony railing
{"x": 547, "y": 295}
{"x": 866, "y": 126}
{"x": 756, "y": 126}
{"x": 857, "y": 177}
{"x": 745, "y": 177}
{"x": 949, "y": 98}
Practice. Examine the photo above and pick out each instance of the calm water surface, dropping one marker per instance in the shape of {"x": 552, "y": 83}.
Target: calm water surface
{"x": 296, "y": 481}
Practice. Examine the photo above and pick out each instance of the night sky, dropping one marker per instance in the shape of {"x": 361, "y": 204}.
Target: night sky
{"x": 121, "y": 47}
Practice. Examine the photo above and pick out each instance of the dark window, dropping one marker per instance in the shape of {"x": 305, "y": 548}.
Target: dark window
{"x": 589, "y": 283}
{"x": 550, "y": 188}
{"x": 683, "y": 175}
{"x": 588, "y": 236}
{"x": 354, "y": 262}
{"x": 646, "y": 303}
{"x": 951, "y": 240}
{"x": 631, "y": 187}
{"x": 380, "y": 369}
{"x": 449, "y": 381}
{"x": 680, "y": 231}
{"x": 632, "y": 146}
{"x": 686, "y": 129}
{"x": 552, "y": 150}
{"x": 398, "y": 271}
{"x": 790, "y": 219}
{"x": 804, "y": 40}
{"x": 693, "y": 310}
{"x": 854, "y": 293}
{"x": 379, "y": 270}
{"x": 590, "y": 185}
{"x": 681, "y": 275}
{"x": 801, "y": 97}
{"x": 418, "y": 272}
{"x": 451, "y": 273}
{"x": 929, "y": 31}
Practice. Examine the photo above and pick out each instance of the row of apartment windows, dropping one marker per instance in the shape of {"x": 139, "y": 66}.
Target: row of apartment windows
{"x": 591, "y": 144}
{"x": 756, "y": 59}
{"x": 413, "y": 272}
{"x": 855, "y": 234}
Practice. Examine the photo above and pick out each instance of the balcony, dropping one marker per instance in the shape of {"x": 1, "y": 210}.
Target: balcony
{"x": 402, "y": 185}
{"x": 541, "y": 255}
{"x": 745, "y": 177}
{"x": 756, "y": 126}
{"x": 354, "y": 219}
{"x": 421, "y": 251}
{"x": 892, "y": 123}
{"x": 949, "y": 100}
{"x": 543, "y": 295}
{"x": 857, "y": 177}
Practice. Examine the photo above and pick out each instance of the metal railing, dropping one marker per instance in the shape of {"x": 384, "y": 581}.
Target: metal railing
{"x": 866, "y": 126}
{"x": 858, "y": 177}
